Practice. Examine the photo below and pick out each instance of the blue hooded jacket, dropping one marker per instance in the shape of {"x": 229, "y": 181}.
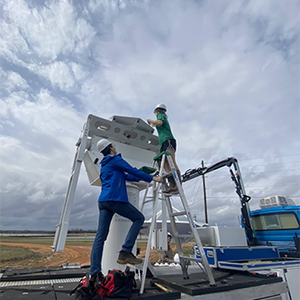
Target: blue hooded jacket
{"x": 114, "y": 172}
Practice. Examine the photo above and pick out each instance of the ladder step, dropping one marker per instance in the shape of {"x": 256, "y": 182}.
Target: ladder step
{"x": 172, "y": 193}
{"x": 191, "y": 258}
{"x": 147, "y": 201}
{"x": 179, "y": 213}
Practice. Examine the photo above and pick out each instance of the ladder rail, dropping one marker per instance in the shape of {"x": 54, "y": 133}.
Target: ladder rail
{"x": 192, "y": 224}
{"x": 145, "y": 195}
{"x": 155, "y": 189}
{"x": 177, "y": 239}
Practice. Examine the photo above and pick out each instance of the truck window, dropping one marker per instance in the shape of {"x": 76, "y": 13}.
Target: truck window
{"x": 275, "y": 221}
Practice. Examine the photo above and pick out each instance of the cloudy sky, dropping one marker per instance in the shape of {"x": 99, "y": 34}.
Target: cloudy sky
{"x": 228, "y": 72}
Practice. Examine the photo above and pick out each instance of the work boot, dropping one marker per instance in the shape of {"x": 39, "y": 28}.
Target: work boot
{"x": 171, "y": 184}
{"x": 173, "y": 187}
{"x": 101, "y": 277}
{"x": 128, "y": 258}
{"x": 169, "y": 181}
{"x": 95, "y": 279}
{"x": 171, "y": 190}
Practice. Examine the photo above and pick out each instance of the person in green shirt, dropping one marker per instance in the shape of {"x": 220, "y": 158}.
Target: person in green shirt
{"x": 166, "y": 139}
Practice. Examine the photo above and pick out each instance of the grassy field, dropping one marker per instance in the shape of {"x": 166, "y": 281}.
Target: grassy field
{"x": 11, "y": 253}
{"x": 87, "y": 241}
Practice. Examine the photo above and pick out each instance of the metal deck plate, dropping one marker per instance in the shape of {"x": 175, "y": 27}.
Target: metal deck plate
{"x": 197, "y": 283}
{"x": 56, "y": 283}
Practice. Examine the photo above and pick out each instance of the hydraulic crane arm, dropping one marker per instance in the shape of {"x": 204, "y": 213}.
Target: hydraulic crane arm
{"x": 192, "y": 173}
{"x": 240, "y": 189}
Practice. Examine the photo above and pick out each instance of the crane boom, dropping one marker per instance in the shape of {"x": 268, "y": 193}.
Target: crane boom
{"x": 240, "y": 190}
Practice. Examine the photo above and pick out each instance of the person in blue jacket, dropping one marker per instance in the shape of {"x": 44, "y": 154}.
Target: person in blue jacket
{"x": 115, "y": 171}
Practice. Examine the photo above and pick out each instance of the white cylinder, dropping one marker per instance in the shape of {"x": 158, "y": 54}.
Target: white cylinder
{"x": 119, "y": 228}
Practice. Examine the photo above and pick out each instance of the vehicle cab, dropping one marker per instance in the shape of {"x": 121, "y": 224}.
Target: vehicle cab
{"x": 277, "y": 223}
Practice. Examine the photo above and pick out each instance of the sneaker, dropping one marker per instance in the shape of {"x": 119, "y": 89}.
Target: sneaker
{"x": 128, "y": 258}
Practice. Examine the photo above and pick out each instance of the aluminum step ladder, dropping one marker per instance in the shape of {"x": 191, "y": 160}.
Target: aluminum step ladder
{"x": 159, "y": 194}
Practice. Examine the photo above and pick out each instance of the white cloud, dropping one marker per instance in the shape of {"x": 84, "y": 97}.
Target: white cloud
{"x": 49, "y": 30}
{"x": 12, "y": 81}
{"x": 58, "y": 73}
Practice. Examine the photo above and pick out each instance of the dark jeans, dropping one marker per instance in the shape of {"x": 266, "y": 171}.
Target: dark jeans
{"x": 106, "y": 211}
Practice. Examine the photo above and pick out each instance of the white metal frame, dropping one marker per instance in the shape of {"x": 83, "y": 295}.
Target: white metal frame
{"x": 132, "y": 132}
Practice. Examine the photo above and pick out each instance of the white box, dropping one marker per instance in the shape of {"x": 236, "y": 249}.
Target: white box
{"x": 222, "y": 236}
